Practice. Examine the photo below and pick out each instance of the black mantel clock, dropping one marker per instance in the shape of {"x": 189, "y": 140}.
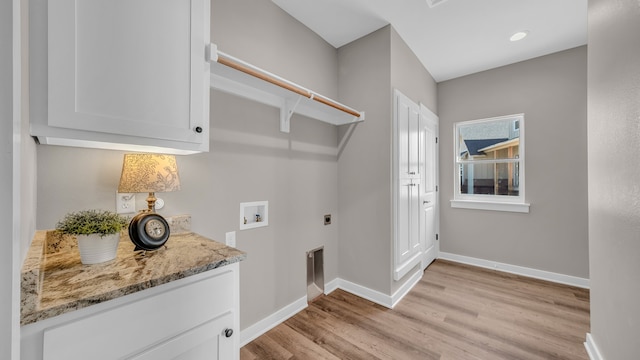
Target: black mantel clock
{"x": 148, "y": 231}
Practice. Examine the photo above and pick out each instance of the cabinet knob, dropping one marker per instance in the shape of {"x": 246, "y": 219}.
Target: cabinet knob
{"x": 412, "y": 172}
{"x": 198, "y": 129}
{"x": 228, "y": 332}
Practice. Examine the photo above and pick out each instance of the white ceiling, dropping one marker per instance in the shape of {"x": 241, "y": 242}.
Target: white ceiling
{"x": 455, "y": 37}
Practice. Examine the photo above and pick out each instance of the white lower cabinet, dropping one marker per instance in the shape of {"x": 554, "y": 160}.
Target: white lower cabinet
{"x": 189, "y": 319}
{"x": 207, "y": 341}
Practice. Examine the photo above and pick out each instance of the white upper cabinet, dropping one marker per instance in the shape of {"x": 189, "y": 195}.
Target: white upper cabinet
{"x": 121, "y": 74}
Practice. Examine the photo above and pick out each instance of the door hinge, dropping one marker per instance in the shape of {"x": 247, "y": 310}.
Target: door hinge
{"x": 436, "y": 187}
{"x": 436, "y": 236}
{"x": 436, "y": 139}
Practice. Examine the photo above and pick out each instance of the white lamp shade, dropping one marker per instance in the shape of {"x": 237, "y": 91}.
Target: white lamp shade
{"x": 149, "y": 173}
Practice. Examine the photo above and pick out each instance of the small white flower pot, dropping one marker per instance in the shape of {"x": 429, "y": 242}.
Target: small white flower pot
{"x": 96, "y": 249}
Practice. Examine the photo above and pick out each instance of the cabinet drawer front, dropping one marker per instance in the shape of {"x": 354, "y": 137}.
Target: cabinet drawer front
{"x": 207, "y": 341}
{"x": 123, "y": 331}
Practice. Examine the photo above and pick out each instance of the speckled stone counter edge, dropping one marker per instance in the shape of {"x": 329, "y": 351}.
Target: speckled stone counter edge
{"x": 46, "y": 242}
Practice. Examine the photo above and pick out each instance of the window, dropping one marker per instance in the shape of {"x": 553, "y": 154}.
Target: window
{"x": 489, "y": 164}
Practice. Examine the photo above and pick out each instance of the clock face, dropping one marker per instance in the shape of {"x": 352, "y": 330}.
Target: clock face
{"x": 155, "y": 228}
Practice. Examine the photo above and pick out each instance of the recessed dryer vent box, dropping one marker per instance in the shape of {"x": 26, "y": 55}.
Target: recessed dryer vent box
{"x": 254, "y": 214}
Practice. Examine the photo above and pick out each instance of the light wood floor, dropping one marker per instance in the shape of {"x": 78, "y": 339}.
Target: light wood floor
{"x": 455, "y": 312}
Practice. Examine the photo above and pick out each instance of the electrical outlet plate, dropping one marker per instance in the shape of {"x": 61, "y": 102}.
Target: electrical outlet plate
{"x": 230, "y": 238}
{"x": 125, "y": 203}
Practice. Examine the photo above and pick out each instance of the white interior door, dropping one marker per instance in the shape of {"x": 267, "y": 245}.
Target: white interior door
{"x": 429, "y": 217}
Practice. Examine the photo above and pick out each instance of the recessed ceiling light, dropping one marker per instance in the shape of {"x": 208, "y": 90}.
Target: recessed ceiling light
{"x": 519, "y": 35}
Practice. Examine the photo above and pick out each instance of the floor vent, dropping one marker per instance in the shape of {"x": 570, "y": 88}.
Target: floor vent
{"x": 433, "y": 3}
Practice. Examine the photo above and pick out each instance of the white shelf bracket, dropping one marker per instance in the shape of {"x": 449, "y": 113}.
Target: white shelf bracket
{"x": 286, "y": 111}
{"x": 211, "y": 52}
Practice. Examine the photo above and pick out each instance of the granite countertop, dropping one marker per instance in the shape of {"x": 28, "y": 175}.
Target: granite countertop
{"x": 54, "y": 281}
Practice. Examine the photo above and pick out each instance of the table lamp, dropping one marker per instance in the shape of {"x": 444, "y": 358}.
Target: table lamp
{"x": 149, "y": 173}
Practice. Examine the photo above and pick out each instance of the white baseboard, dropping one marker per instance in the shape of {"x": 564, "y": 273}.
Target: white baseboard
{"x": 405, "y": 288}
{"x": 252, "y": 332}
{"x": 592, "y": 348}
{"x": 331, "y": 286}
{"x": 373, "y": 295}
{"x": 361, "y": 291}
{"x": 518, "y": 270}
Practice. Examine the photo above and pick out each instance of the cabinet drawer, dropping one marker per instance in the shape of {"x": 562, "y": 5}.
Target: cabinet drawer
{"x": 126, "y": 330}
{"x": 207, "y": 341}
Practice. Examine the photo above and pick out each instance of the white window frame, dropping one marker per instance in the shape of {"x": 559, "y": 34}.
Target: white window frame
{"x": 484, "y": 201}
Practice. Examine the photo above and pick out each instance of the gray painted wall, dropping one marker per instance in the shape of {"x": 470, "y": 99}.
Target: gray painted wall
{"x": 27, "y": 146}
{"x": 364, "y": 184}
{"x": 409, "y": 75}
{"x": 551, "y": 92}
{"x": 614, "y": 213}
{"x": 370, "y": 68}
{"x": 261, "y": 33}
{"x": 9, "y": 346}
{"x": 17, "y": 159}
{"x": 250, "y": 160}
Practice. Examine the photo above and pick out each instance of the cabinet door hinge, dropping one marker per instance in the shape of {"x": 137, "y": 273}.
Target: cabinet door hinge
{"x": 436, "y": 187}
{"x": 436, "y": 139}
{"x": 436, "y": 236}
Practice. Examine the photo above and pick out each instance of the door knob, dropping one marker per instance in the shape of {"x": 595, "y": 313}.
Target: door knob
{"x": 228, "y": 332}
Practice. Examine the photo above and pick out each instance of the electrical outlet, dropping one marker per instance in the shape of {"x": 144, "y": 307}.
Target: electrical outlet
{"x": 125, "y": 203}
{"x": 230, "y": 238}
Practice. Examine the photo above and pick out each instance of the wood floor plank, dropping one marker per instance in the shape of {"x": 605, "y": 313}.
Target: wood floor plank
{"x": 371, "y": 318}
{"x": 265, "y": 347}
{"x": 300, "y": 345}
{"x": 342, "y": 339}
{"x": 455, "y": 311}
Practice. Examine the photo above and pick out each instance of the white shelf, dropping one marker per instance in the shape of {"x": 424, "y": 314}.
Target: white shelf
{"x": 239, "y": 78}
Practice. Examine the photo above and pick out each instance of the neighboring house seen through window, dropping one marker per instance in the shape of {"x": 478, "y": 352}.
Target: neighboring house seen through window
{"x": 489, "y": 164}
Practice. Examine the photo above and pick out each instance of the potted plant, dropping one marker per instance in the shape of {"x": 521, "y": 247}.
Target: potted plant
{"x": 97, "y": 231}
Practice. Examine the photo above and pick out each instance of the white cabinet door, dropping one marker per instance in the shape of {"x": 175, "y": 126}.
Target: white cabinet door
{"x": 408, "y": 136}
{"x": 408, "y": 221}
{"x": 408, "y": 184}
{"x": 210, "y": 341}
{"x": 131, "y": 68}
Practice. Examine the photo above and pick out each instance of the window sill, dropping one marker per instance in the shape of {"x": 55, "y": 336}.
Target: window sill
{"x": 489, "y": 205}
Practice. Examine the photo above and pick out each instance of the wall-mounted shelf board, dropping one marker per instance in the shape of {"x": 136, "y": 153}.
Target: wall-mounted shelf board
{"x": 240, "y": 78}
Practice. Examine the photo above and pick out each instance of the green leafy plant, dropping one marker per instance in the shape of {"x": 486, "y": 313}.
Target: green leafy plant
{"x": 88, "y": 222}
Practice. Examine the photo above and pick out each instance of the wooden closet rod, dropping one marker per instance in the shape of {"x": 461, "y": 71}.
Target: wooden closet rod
{"x": 249, "y": 69}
